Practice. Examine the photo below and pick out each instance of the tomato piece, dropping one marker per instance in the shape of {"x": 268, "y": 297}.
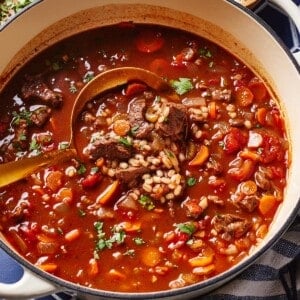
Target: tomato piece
{"x": 160, "y": 66}
{"x": 91, "y": 180}
{"x": 258, "y": 89}
{"x": 149, "y": 41}
{"x": 234, "y": 141}
{"x": 272, "y": 149}
{"x": 135, "y": 88}
{"x": 243, "y": 96}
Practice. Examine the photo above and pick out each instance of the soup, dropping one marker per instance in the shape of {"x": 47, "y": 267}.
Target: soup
{"x": 166, "y": 191}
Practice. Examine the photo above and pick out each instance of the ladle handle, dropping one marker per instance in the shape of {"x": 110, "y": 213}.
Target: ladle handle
{"x": 13, "y": 171}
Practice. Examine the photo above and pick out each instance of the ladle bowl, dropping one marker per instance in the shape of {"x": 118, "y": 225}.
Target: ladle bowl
{"x": 108, "y": 80}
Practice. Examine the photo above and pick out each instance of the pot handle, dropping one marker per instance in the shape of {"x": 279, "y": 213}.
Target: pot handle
{"x": 30, "y": 285}
{"x": 293, "y": 11}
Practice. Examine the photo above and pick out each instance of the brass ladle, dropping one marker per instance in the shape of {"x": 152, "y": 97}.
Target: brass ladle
{"x": 13, "y": 171}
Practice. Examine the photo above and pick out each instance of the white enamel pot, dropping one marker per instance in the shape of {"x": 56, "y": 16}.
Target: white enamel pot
{"x": 223, "y": 22}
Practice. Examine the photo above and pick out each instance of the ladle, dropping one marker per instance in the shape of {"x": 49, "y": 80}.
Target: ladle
{"x": 13, "y": 171}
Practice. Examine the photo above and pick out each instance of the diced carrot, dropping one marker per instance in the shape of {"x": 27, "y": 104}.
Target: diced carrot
{"x": 64, "y": 194}
{"x": 48, "y": 267}
{"x": 116, "y": 274}
{"x": 262, "y": 231}
{"x": 261, "y": 115}
{"x": 54, "y": 180}
{"x": 93, "y": 267}
{"x": 150, "y": 256}
{"x": 149, "y": 41}
{"x": 72, "y": 235}
{"x": 267, "y": 203}
{"x": 204, "y": 270}
{"x": 200, "y": 157}
{"x": 243, "y": 96}
{"x": 130, "y": 227}
{"x": 121, "y": 127}
{"x": 212, "y": 109}
{"x": 201, "y": 261}
{"x": 258, "y": 89}
{"x": 248, "y": 187}
{"x": 248, "y": 154}
{"x": 107, "y": 194}
{"x": 160, "y": 66}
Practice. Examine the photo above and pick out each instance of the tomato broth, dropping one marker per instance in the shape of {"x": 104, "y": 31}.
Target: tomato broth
{"x": 166, "y": 192}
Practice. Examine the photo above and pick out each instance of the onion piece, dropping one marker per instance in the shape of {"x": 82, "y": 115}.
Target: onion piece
{"x": 195, "y": 101}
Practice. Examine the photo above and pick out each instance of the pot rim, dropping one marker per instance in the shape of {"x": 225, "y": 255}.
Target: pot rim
{"x": 217, "y": 280}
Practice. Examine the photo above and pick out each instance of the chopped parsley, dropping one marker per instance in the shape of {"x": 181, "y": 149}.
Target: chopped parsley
{"x": 34, "y": 145}
{"x": 138, "y": 241}
{"x": 134, "y": 130}
{"x": 146, "y": 202}
{"x": 182, "y": 85}
{"x": 73, "y": 88}
{"x": 117, "y": 237}
{"x": 206, "y": 53}
{"x": 22, "y": 115}
{"x": 125, "y": 141}
{"x": 88, "y": 76}
{"x": 187, "y": 227}
{"x": 81, "y": 169}
{"x": 191, "y": 181}
{"x": 81, "y": 213}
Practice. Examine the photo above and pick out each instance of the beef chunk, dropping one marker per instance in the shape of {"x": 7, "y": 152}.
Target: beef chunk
{"x": 40, "y": 116}
{"x": 230, "y": 224}
{"x": 107, "y": 148}
{"x": 35, "y": 88}
{"x": 20, "y": 141}
{"x": 175, "y": 122}
{"x": 137, "y": 120}
{"x": 130, "y": 174}
{"x": 248, "y": 203}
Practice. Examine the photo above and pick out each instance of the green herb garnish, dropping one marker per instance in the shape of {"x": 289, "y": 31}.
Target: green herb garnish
{"x": 188, "y": 227}
{"x": 24, "y": 115}
{"x": 182, "y": 85}
{"x": 88, "y": 76}
{"x": 81, "y": 169}
{"x": 138, "y": 241}
{"x": 125, "y": 141}
{"x": 204, "y": 52}
{"x": 191, "y": 181}
{"x": 146, "y": 202}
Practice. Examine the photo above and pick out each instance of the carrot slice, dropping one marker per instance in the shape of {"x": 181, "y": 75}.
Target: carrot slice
{"x": 267, "y": 203}
{"x": 159, "y": 66}
{"x": 130, "y": 227}
{"x": 248, "y": 187}
{"x": 258, "y": 89}
{"x": 107, "y": 194}
{"x": 149, "y": 41}
{"x": 121, "y": 127}
{"x": 261, "y": 115}
{"x": 244, "y": 96}
{"x": 247, "y": 154}
{"x": 151, "y": 256}
{"x": 200, "y": 157}
{"x": 212, "y": 109}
